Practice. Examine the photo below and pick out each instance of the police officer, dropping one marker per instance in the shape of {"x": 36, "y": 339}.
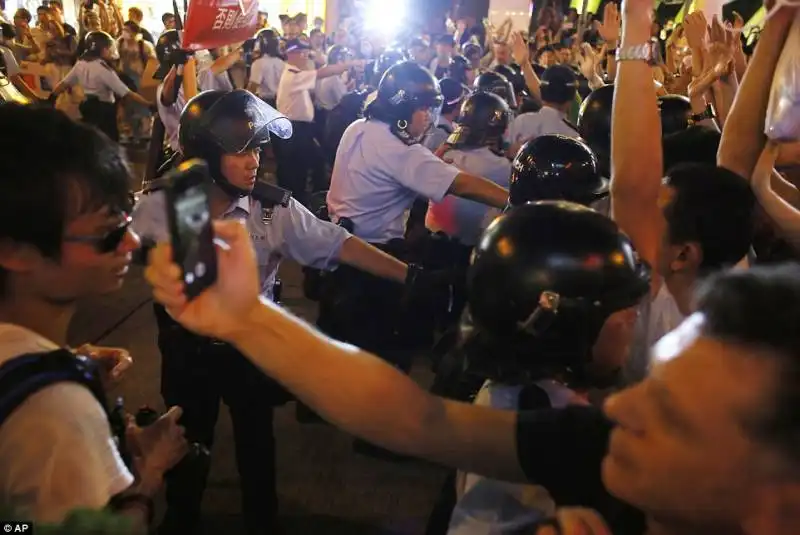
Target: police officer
{"x": 227, "y": 129}
{"x": 494, "y": 82}
{"x": 266, "y": 72}
{"x": 462, "y": 70}
{"x": 477, "y": 147}
{"x": 300, "y": 154}
{"x": 594, "y": 125}
{"x": 559, "y": 87}
{"x": 170, "y": 94}
{"x": 555, "y": 167}
{"x": 380, "y": 170}
{"x": 453, "y": 95}
{"x": 549, "y": 356}
{"x": 99, "y": 83}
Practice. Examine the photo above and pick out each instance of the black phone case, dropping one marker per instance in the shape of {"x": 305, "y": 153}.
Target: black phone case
{"x": 186, "y": 177}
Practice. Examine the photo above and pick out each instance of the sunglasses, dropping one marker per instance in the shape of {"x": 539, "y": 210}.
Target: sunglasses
{"x": 107, "y": 242}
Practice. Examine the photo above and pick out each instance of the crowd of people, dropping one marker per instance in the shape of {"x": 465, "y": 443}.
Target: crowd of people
{"x": 586, "y": 228}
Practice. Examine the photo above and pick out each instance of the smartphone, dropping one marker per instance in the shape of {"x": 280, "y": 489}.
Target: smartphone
{"x": 189, "y": 215}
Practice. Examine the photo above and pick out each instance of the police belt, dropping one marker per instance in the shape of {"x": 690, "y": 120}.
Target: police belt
{"x": 170, "y": 327}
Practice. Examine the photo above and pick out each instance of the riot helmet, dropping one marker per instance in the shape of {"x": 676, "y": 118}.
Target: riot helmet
{"x": 168, "y": 47}
{"x": 215, "y": 123}
{"x": 513, "y": 74}
{"x": 460, "y": 69}
{"x": 494, "y": 82}
{"x": 453, "y": 94}
{"x": 676, "y": 110}
{"x": 389, "y": 58}
{"x": 96, "y": 42}
{"x": 269, "y": 44}
{"x": 594, "y": 124}
{"x": 483, "y": 120}
{"x": 473, "y": 52}
{"x": 555, "y": 167}
{"x": 338, "y": 54}
{"x": 544, "y": 279}
{"x": 405, "y": 88}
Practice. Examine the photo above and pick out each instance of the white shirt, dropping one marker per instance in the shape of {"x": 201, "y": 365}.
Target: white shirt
{"x": 171, "y": 116}
{"x": 56, "y": 449}
{"x": 531, "y": 125}
{"x": 294, "y": 94}
{"x": 96, "y": 79}
{"x": 329, "y": 91}
{"x": 208, "y": 81}
{"x": 266, "y": 73}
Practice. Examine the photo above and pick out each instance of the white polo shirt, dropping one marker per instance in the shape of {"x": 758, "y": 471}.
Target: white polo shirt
{"x": 294, "y": 94}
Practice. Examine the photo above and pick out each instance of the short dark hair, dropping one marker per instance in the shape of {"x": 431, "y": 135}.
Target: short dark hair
{"x": 48, "y": 159}
{"x": 760, "y": 307}
{"x": 696, "y": 144}
{"x": 166, "y": 16}
{"x": 714, "y": 207}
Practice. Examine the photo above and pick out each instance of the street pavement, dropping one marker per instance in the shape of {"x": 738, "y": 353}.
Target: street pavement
{"x": 324, "y": 487}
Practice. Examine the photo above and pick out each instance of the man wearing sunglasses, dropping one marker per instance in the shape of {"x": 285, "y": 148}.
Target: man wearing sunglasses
{"x": 56, "y": 449}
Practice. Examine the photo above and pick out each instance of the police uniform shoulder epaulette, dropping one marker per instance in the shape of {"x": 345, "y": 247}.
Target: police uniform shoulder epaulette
{"x": 154, "y": 185}
{"x": 270, "y": 195}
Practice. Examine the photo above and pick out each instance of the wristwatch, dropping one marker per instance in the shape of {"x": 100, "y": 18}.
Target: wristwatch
{"x": 645, "y": 52}
{"x": 708, "y": 113}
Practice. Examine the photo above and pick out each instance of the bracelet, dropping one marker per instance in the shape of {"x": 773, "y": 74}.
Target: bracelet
{"x": 121, "y": 501}
{"x": 708, "y": 113}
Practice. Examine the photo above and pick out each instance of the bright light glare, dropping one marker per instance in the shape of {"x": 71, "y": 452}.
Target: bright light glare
{"x": 387, "y": 16}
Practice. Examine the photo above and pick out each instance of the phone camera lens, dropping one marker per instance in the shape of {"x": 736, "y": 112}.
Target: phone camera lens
{"x": 189, "y": 278}
{"x": 200, "y": 269}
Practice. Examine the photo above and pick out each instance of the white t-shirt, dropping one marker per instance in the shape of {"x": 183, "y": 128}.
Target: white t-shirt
{"x": 56, "y": 449}
{"x": 266, "y": 73}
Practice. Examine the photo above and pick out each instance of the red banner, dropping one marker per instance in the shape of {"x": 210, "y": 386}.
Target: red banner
{"x": 215, "y": 23}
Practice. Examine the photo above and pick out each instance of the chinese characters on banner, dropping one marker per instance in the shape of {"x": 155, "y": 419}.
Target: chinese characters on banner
{"x": 215, "y": 23}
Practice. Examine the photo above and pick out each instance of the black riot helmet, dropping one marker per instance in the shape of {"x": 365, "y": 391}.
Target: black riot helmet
{"x": 167, "y": 48}
{"x": 482, "y": 122}
{"x": 594, "y": 124}
{"x": 453, "y": 94}
{"x": 513, "y": 74}
{"x": 494, "y": 82}
{"x": 389, "y": 58}
{"x": 405, "y": 88}
{"x": 458, "y": 69}
{"x": 94, "y": 44}
{"x": 269, "y": 43}
{"x": 338, "y": 54}
{"x": 215, "y": 123}
{"x": 472, "y": 51}
{"x": 544, "y": 278}
{"x": 555, "y": 167}
{"x": 676, "y": 110}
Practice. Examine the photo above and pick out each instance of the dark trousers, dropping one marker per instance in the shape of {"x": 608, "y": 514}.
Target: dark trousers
{"x": 296, "y": 158}
{"x": 102, "y": 115}
{"x": 196, "y": 374}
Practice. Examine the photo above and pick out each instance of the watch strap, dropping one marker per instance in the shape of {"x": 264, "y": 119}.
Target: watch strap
{"x": 642, "y": 52}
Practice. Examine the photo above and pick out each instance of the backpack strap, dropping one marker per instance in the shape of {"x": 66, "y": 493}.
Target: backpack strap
{"x": 23, "y": 376}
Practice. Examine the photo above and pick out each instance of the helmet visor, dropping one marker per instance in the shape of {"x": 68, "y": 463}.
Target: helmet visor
{"x": 241, "y": 121}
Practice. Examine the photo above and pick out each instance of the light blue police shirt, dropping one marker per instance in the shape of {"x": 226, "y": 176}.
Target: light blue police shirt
{"x": 531, "y": 125}
{"x": 462, "y": 218}
{"x": 291, "y": 231}
{"x": 208, "y": 81}
{"x": 377, "y": 177}
{"x": 439, "y": 134}
{"x": 96, "y": 79}
{"x": 487, "y": 506}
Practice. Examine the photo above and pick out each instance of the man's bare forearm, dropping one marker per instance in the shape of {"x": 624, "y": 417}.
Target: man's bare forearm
{"x": 352, "y": 389}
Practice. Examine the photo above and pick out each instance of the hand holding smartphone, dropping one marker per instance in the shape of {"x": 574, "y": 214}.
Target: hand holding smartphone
{"x": 189, "y": 215}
